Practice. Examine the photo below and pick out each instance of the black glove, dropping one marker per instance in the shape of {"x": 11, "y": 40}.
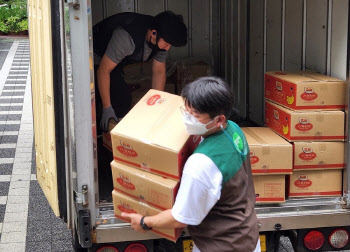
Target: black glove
{"x": 108, "y": 114}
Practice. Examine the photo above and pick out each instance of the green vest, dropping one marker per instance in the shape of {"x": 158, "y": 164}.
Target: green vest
{"x": 228, "y": 152}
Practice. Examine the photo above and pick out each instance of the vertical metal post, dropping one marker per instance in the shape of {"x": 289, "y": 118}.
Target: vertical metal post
{"x": 239, "y": 84}
{"x": 283, "y": 33}
{"x": 346, "y": 189}
{"x": 136, "y": 6}
{"x": 189, "y": 4}
{"x": 265, "y": 34}
{"x": 225, "y": 37}
{"x": 303, "y": 53}
{"x": 329, "y": 36}
{"x": 211, "y": 29}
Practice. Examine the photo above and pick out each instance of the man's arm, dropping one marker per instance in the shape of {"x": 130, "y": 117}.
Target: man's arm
{"x": 158, "y": 75}
{"x": 162, "y": 220}
{"x": 104, "y": 80}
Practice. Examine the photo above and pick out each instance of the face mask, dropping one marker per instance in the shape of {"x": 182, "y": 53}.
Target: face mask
{"x": 193, "y": 126}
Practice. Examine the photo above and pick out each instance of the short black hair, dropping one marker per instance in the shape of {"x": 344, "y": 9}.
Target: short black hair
{"x": 171, "y": 28}
{"x": 209, "y": 95}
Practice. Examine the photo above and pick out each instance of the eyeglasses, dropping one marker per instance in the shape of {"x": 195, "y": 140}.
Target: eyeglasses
{"x": 184, "y": 112}
{"x": 188, "y": 115}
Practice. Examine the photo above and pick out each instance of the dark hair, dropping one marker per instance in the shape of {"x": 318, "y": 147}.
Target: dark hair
{"x": 171, "y": 28}
{"x": 209, "y": 95}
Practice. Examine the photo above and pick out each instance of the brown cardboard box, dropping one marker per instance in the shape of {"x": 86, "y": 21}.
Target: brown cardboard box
{"x": 305, "y": 90}
{"x": 318, "y": 155}
{"x": 315, "y": 183}
{"x": 155, "y": 190}
{"x": 304, "y": 125}
{"x": 106, "y": 136}
{"x": 123, "y": 203}
{"x": 190, "y": 69}
{"x": 269, "y": 153}
{"x": 153, "y": 137}
{"x": 269, "y": 188}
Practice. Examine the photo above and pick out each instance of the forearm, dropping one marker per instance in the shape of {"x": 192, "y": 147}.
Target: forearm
{"x": 104, "y": 82}
{"x": 158, "y": 80}
{"x": 163, "y": 220}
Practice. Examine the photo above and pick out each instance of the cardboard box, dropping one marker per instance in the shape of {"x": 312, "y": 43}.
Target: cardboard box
{"x": 106, "y": 136}
{"x": 123, "y": 203}
{"x": 304, "y": 125}
{"x": 269, "y": 153}
{"x": 318, "y": 155}
{"x": 189, "y": 70}
{"x": 153, "y": 137}
{"x": 155, "y": 190}
{"x": 269, "y": 188}
{"x": 305, "y": 90}
{"x": 315, "y": 183}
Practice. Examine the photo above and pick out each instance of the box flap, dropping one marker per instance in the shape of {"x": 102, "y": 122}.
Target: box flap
{"x": 154, "y": 109}
{"x": 319, "y": 77}
{"x": 263, "y": 136}
{"x": 317, "y": 112}
{"x": 302, "y": 77}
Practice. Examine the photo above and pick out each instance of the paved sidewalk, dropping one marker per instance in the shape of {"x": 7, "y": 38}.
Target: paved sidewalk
{"x": 27, "y": 222}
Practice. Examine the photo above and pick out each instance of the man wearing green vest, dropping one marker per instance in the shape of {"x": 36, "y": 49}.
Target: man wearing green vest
{"x": 216, "y": 197}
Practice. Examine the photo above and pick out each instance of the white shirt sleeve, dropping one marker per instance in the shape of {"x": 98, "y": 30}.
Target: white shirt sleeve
{"x": 199, "y": 190}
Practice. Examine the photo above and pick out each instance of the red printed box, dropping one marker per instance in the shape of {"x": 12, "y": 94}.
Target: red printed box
{"x": 318, "y": 155}
{"x": 269, "y": 188}
{"x": 155, "y": 190}
{"x": 269, "y": 153}
{"x": 304, "y": 125}
{"x": 315, "y": 183}
{"x": 153, "y": 137}
{"x": 123, "y": 203}
{"x": 305, "y": 90}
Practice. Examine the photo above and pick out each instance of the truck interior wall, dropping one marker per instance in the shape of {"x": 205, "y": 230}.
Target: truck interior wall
{"x": 233, "y": 64}
{"x": 217, "y": 34}
{"x": 243, "y": 39}
{"x": 197, "y": 14}
{"x": 294, "y": 35}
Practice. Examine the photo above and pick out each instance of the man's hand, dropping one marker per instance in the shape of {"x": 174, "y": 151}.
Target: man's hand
{"x": 108, "y": 113}
{"x": 135, "y": 221}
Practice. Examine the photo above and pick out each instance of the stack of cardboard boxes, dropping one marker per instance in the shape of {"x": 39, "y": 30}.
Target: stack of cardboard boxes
{"x": 271, "y": 158}
{"x": 150, "y": 146}
{"x": 306, "y": 109}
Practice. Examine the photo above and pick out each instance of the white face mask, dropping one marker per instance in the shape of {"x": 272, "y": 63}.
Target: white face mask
{"x": 193, "y": 126}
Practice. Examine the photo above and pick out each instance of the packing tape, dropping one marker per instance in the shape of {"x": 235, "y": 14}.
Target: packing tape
{"x": 265, "y": 148}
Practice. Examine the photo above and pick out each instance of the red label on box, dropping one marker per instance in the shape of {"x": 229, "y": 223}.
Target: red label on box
{"x": 125, "y": 182}
{"x": 308, "y": 97}
{"x": 127, "y": 151}
{"x": 254, "y": 159}
{"x": 302, "y": 183}
{"x": 277, "y": 119}
{"x": 303, "y": 127}
{"x": 280, "y": 91}
{"x": 278, "y": 95}
{"x": 153, "y": 99}
{"x": 307, "y": 156}
{"x": 125, "y": 209}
